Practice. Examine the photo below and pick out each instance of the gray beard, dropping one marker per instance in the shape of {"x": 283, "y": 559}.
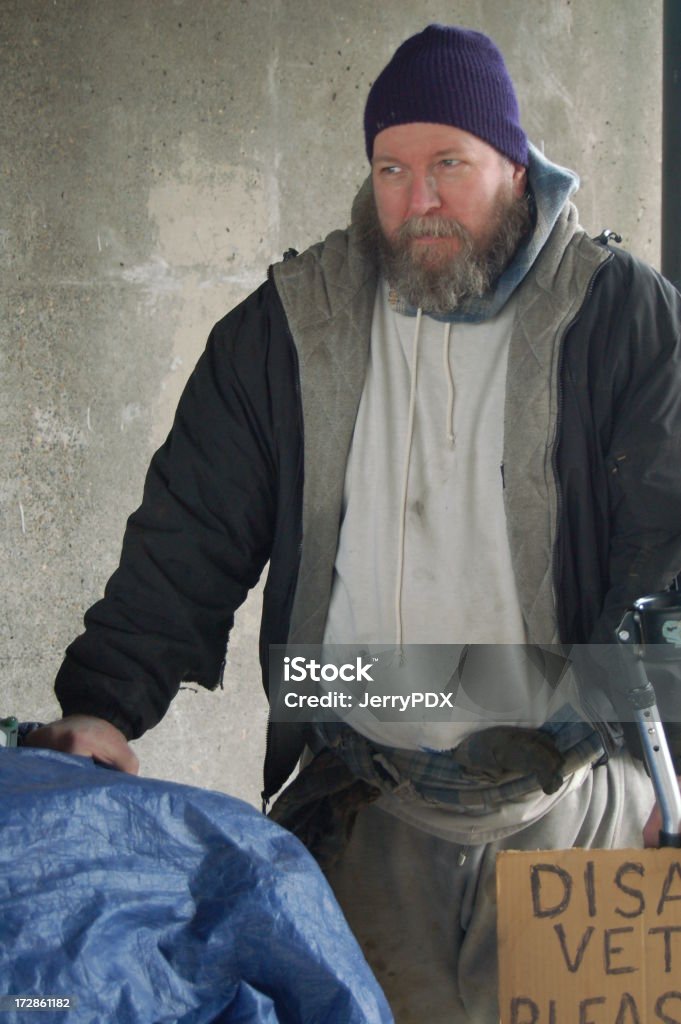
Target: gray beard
{"x": 452, "y": 282}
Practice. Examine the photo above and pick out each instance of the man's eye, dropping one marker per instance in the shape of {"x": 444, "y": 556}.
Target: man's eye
{"x": 390, "y": 171}
{"x": 450, "y": 162}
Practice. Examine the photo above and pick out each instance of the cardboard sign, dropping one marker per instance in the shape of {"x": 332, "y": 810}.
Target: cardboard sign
{"x": 589, "y": 936}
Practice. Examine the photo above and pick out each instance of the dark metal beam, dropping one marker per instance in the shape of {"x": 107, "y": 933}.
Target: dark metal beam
{"x": 671, "y": 142}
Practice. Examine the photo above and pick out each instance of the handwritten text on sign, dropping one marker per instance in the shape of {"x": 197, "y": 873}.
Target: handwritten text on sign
{"x": 590, "y": 937}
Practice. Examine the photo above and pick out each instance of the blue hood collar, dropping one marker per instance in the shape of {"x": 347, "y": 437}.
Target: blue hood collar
{"x": 552, "y": 186}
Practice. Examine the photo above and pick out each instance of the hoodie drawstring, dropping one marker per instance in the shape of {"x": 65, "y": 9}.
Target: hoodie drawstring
{"x": 449, "y": 430}
{"x": 405, "y": 483}
{"x": 449, "y": 423}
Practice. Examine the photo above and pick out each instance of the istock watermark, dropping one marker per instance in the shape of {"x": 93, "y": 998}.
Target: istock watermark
{"x": 464, "y": 684}
{"x": 300, "y": 669}
{"x": 440, "y": 683}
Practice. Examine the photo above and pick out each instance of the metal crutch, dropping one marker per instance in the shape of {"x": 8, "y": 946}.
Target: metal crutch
{"x": 650, "y": 632}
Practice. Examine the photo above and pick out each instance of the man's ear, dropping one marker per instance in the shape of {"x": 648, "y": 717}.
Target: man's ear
{"x": 519, "y": 179}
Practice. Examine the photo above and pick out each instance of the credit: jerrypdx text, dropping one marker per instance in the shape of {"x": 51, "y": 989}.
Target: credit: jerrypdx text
{"x": 413, "y": 683}
{"x": 300, "y": 670}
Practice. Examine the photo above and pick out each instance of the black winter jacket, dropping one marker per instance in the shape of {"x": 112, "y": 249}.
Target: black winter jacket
{"x": 223, "y": 496}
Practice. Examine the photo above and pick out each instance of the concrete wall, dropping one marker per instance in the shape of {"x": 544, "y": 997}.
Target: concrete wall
{"x": 157, "y": 155}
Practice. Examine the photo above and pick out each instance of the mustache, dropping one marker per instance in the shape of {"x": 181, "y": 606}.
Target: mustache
{"x": 433, "y": 227}
{"x": 448, "y": 281}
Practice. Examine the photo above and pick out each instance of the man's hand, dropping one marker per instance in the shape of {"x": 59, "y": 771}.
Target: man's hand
{"x": 89, "y": 737}
{"x": 653, "y": 826}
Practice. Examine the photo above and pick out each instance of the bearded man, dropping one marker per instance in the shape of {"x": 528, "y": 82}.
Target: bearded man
{"x": 455, "y": 423}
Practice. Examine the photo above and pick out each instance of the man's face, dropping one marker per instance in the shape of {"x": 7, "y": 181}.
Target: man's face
{"x": 433, "y": 170}
{"x": 450, "y": 212}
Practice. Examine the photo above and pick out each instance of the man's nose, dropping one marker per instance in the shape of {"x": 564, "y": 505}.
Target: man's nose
{"x": 424, "y": 195}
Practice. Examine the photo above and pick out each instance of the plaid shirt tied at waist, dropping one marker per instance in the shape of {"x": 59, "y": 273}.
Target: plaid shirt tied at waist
{"x": 489, "y": 768}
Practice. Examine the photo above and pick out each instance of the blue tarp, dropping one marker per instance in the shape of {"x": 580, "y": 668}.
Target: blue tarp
{"x": 150, "y": 902}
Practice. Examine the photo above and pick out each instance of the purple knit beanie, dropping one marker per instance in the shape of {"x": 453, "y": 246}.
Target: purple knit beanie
{"x": 448, "y": 75}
